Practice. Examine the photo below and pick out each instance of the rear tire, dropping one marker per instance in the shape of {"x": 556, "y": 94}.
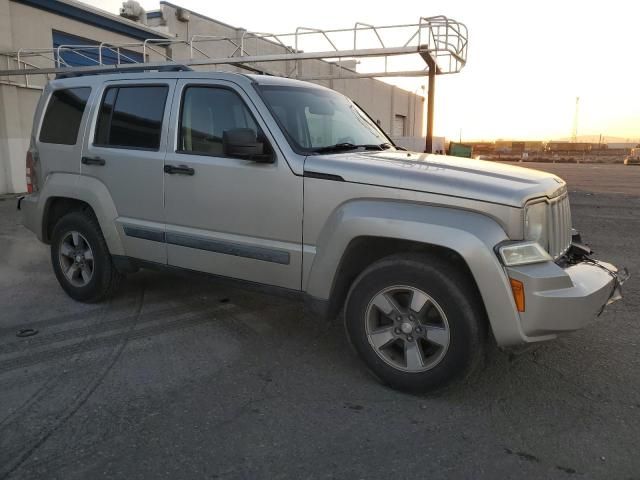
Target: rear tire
{"x": 81, "y": 260}
{"x": 416, "y": 321}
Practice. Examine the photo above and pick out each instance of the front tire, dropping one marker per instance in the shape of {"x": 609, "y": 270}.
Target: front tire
{"x": 81, "y": 259}
{"x": 416, "y": 321}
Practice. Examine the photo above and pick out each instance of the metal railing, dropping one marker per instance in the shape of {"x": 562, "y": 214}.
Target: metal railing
{"x": 439, "y": 40}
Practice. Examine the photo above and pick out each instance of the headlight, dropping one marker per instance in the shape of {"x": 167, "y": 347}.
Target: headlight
{"x": 535, "y": 224}
{"x": 523, "y": 254}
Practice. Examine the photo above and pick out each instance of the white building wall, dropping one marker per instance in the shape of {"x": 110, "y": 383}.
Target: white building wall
{"x": 382, "y": 101}
{"x": 16, "y": 117}
{"x": 22, "y": 26}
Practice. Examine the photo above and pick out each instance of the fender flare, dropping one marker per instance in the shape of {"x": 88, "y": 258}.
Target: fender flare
{"x": 91, "y": 191}
{"x": 472, "y": 235}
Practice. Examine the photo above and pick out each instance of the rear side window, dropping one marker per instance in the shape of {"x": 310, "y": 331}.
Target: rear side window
{"x": 131, "y": 117}
{"x": 62, "y": 119}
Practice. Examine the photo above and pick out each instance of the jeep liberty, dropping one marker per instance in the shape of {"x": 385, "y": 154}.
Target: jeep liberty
{"x": 286, "y": 184}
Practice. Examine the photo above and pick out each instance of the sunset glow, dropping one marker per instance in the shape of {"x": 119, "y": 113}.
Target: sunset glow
{"x": 527, "y": 62}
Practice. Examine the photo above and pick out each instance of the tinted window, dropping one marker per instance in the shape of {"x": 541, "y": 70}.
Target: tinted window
{"x": 208, "y": 112}
{"x": 104, "y": 117}
{"x": 131, "y": 117}
{"x": 62, "y": 119}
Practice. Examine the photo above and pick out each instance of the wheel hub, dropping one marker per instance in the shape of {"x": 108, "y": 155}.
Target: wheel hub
{"x": 406, "y": 328}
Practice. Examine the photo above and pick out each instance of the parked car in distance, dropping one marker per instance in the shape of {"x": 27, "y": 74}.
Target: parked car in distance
{"x": 634, "y": 157}
{"x": 292, "y": 187}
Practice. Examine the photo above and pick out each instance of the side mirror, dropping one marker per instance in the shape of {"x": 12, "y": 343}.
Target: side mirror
{"x": 243, "y": 143}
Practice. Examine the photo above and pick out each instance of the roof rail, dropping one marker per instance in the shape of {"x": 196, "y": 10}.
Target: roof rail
{"x": 128, "y": 68}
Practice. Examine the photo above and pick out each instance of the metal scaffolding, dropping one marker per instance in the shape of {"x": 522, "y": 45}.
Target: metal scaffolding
{"x": 433, "y": 46}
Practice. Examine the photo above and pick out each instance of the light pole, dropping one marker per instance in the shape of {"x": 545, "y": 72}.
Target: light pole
{"x": 415, "y": 100}
{"x": 431, "y": 100}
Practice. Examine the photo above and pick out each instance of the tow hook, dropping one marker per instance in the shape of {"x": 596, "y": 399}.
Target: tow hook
{"x": 20, "y": 201}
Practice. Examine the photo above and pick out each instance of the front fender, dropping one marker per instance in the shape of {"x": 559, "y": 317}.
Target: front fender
{"x": 472, "y": 235}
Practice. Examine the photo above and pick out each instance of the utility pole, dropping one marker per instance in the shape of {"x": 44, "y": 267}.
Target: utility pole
{"x": 431, "y": 96}
{"x": 574, "y": 133}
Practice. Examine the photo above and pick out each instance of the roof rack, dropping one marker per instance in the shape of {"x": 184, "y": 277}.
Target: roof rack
{"x": 439, "y": 41}
{"x": 129, "y": 68}
{"x": 433, "y": 46}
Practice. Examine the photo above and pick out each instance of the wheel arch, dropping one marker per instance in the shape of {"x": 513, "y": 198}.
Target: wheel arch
{"x": 69, "y": 192}
{"x": 365, "y": 231}
{"x": 55, "y": 208}
{"x": 363, "y": 251}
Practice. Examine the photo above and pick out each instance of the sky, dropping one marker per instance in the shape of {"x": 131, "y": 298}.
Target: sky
{"x": 527, "y": 61}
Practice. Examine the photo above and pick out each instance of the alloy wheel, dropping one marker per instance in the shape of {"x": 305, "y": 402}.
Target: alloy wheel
{"x": 407, "y": 328}
{"x": 76, "y": 259}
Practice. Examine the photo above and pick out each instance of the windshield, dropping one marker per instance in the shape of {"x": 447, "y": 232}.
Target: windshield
{"x": 317, "y": 120}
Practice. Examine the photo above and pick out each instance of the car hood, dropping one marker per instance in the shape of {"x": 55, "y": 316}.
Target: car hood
{"x": 440, "y": 174}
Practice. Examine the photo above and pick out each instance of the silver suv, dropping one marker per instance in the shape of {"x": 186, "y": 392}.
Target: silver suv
{"x": 286, "y": 184}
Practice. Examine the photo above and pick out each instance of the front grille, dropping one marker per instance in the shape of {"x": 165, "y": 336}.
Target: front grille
{"x": 559, "y": 226}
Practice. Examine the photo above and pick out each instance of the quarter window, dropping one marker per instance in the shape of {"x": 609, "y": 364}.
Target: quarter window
{"x": 62, "y": 119}
{"x": 131, "y": 117}
{"x": 207, "y": 112}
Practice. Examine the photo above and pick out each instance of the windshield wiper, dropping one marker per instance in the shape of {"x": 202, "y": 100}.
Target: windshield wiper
{"x": 335, "y": 148}
{"x": 351, "y": 146}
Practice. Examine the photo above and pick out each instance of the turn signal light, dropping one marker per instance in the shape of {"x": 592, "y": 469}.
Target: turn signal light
{"x": 518, "y": 293}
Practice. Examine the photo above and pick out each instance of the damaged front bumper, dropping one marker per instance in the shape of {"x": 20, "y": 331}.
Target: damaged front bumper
{"x": 565, "y": 295}
{"x": 619, "y": 275}
{"x": 581, "y": 252}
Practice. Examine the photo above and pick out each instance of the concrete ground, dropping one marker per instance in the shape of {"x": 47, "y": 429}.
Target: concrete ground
{"x": 181, "y": 377}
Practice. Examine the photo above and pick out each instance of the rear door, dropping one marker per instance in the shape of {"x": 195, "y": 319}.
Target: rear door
{"x": 125, "y": 151}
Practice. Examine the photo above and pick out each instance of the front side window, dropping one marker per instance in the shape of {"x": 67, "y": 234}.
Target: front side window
{"x": 315, "y": 119}
{"x": 63, "y": 116}
{"x": 131, "y": 117}
{"x": 207, "y": 112}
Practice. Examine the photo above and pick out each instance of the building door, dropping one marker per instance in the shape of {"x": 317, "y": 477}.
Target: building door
{"x": 225, "y": 215}
{"x": 399, "y": 122}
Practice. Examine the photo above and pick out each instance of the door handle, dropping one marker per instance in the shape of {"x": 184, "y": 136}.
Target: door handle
{"x": 93, "y": 161}
{"x": 180, "y": 170}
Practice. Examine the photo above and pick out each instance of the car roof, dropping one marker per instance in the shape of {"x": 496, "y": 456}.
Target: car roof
{"x": 239, "y": 78}
{"x": 283, "y": 81}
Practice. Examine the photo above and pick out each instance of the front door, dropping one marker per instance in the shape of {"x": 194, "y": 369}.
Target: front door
{"x": 225, "y": 215}
{"x": 125, "y": 150}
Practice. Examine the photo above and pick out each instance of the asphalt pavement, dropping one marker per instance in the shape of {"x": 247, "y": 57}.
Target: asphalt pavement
{"x": 183, "y": 377}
